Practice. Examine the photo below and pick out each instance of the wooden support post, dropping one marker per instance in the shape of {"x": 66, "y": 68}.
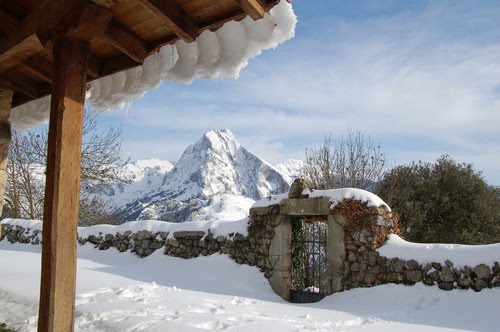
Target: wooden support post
{"x": 5, "y": 135}
{"x": 57, "y": 292}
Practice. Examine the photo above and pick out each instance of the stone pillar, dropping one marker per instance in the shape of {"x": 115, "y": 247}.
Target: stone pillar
{"x": 335, "y": 254}
{"x": 280, "y": 255}
{"x": 5, "y": 136}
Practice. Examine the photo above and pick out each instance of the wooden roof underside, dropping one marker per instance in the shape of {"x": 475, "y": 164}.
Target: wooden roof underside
{"x": 122, "y": 33}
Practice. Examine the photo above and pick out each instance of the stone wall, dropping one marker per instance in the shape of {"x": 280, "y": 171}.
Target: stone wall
{"x": 359, "y": 230}
{"x": 252, "y": 250}
{"x": 368, "y": 268}
{"x": 366, "y": 229}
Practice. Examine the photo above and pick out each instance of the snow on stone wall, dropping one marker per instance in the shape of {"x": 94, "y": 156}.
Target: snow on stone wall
{"x": 247, "y": 242}
{"x": 368, "y": 260}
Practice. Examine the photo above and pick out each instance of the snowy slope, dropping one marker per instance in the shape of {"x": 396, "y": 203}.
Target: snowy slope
{"x": 218, "y": 164}
{"x": 142, "y": 176}
{"x": 121, "y": 292}
{"x": 291, "y": 169}
{"x": 215, "y": 170}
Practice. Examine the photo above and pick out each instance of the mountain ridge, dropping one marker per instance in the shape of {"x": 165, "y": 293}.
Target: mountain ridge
{"x": 214, "y": 176}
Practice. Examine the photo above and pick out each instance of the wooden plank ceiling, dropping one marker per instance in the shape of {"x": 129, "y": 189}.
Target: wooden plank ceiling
{"x": 122, "y": 33}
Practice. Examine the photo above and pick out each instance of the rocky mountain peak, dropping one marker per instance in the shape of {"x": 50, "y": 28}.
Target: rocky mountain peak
{"x": 218, "y": 164}
{"x": 214, "y": 176}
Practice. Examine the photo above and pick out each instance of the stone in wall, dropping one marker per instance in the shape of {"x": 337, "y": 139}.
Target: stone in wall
{"x": 365, "y": 227}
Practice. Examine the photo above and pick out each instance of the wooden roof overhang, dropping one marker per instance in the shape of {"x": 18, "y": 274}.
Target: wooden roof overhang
{"x": 56, "y": 47}
{"x": 122, "y": 33}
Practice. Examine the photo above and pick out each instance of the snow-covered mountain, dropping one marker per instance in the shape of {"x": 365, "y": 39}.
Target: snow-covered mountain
{"x": 215, "y": 178}
{"x": 142, "y": 176}
{"x": 291, "y": 169}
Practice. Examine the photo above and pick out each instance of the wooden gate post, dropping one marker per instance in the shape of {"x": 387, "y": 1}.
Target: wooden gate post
{"x": 58, "y": 280}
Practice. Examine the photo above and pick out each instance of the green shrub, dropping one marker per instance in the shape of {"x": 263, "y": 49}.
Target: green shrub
{"x": 442, "y": 202}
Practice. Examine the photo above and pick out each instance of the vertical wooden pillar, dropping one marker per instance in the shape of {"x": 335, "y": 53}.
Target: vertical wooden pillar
{"x": 5, "y": 136}
{"x": 57, "y": 292}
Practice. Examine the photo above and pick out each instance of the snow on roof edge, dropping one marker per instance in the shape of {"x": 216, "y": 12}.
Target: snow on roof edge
{"x": 214, "y": 54}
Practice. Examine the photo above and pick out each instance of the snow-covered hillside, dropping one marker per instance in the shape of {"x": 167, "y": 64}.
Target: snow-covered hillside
{"x": 214, "y": 177}
{"x": 142, "y": 176}
{"x": 291, "y": 169}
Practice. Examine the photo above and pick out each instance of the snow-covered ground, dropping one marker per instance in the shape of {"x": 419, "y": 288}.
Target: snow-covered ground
{"x": 121, "y": 292}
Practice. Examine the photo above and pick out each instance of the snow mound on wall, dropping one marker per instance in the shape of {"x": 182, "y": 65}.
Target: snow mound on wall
{"x": 459, "y": 254}
{"x": 217, "y": 227}
{"x": 336, "y": 196}
{"x": 223, "y": 53}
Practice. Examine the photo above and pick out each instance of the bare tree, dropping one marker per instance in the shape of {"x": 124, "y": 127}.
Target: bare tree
{"x": 348, "y": 161}
{"x": 25, "y": 190}
{"x": 101, "y": 158}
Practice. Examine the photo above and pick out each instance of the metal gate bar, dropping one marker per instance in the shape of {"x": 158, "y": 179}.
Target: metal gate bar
{"x": 309, "y": 248}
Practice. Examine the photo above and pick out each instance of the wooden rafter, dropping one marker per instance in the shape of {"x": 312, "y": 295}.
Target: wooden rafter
{"x": 93, "y": 66}
{"x": 175, "y": 16}
{"x": 47, "y": 14}
{"x": 20, "y": 52}
{"x": 39, "y": 67}
{"x": 19, "y": 83}
{"x": 92, "y": 22}
{"x": 118, "y": 63}
{"x": 254, "y": 8}
{"x": 14, "y": 9}
{"x": 76, "y": 23}
{"x": 7, "y": 21}
{"x": 126, "y": 41}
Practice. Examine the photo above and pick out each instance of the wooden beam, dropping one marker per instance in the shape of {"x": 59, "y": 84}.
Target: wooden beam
{"x": 48, "y": 13}
{"x": 14, "y": 9}
{"x": 19, "y": 52}
{"x": 254, "y": 8}
{"x": 7, "y": 21}
{"x": 57, "y": 293}
{"x": 16, "y": 82}
{"x": 39, "y": 67}
{"x": 211, "y": 25}
{"x": 116, "y": 64}
{"x": 92, "y": 22}
{"x": 175, "y": 16}
{"x": 126, "y": 41}
{"x": 93, "y": 66}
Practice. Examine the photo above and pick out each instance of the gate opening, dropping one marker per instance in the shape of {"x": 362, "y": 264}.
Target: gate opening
{"x": 309, "y": 261}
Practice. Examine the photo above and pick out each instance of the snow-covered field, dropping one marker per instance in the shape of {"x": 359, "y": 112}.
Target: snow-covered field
{"x": 121, "y": 292}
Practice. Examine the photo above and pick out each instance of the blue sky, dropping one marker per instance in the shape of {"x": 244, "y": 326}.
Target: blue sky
{"x": 422, "y": 78}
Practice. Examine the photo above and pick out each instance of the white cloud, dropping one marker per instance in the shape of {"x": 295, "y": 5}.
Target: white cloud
{"x": 432, "y": 74}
